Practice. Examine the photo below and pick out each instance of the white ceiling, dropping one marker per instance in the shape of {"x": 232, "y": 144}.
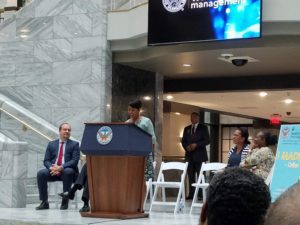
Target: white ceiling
{"x": 276, "y": 53}
{"x": 246, "y": 103}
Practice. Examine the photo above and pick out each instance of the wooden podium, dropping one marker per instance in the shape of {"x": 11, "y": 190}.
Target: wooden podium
{"x": 116, "y": 155}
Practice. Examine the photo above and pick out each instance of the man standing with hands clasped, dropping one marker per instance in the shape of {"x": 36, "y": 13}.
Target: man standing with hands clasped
{"x": 61, "y": 159}
{"x": 194, "y": 141}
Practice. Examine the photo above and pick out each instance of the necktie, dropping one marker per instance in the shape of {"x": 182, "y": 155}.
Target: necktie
{"x": 60, "y": 154}
{"x": 193, "y": 129}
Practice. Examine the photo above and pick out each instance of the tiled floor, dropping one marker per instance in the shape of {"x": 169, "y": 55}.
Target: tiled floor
{"x": 13, "y": 216}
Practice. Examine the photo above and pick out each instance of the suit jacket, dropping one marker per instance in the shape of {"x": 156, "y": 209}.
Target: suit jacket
{"x": 71, "y": 154}
{"x": 201, "y": 138}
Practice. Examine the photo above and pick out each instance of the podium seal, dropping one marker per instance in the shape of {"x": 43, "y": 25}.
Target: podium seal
{"x": 104, "y": 135}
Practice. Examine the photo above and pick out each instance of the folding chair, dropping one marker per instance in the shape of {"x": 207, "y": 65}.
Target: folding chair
{"x": 161, "y": 183}
{"x": 57, "y": 187}
{"x": 269, "y": 177}
{"x": 149, "y": 187}
{"x": 201, "y": 182}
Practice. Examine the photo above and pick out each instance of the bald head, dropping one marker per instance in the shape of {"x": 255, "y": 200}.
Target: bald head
{"x": 285, "y": 210}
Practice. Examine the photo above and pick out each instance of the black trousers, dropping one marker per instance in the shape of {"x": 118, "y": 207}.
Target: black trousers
{"x": 192, "y": 170}
{"x": 82, "y": 181}
{"x": 67, "y": 176}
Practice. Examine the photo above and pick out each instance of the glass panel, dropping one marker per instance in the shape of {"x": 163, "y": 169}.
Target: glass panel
{"x": 225, "y": 133}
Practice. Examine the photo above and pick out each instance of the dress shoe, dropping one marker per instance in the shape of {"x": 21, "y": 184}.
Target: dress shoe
{"x": 43, "y": 205}
{"x": 64, "y": 204}
{"x": 85, "y": 208}
{"x": 67, "y": 195}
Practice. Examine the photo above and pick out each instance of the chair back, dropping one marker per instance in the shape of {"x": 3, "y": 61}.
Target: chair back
{"x": 214, "y": 166}
{"x": 172, "y": 166}
{"x": 269, "y": 177}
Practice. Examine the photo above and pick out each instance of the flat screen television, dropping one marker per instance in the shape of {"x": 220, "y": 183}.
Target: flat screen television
{"x": 180, "y": 21}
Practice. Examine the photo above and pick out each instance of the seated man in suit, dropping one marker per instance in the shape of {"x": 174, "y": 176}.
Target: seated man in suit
{"x": 61, "y": 159}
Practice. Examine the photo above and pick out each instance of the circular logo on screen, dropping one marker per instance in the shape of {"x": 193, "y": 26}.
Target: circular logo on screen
{"x": 173, "y": 5}
{"x": 104, "y": 135}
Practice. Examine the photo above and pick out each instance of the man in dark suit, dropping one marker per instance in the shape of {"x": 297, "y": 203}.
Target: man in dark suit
{"x": 194, "y": 141}
{"x": 61, "y": 159}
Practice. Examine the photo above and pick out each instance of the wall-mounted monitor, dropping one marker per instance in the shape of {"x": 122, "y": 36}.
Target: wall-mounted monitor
{"x": 179, "y": 21}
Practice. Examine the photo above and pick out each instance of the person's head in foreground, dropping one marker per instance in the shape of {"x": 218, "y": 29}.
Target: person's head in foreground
{"x": 285, "y": 210}
{"x": 236, "y": 197}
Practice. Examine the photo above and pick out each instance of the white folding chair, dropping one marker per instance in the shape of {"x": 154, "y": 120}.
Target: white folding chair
{"x": 269, "y": 177}
{"x": 201, "y": 182}
{"x": 161, "y": 183}
{"x": 149, "y": 187}
{"x": 54, "y": 189}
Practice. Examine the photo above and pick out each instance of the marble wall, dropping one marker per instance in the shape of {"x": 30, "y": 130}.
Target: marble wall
{"x": 13, "y": 174}
{"x": 55, "y": 61}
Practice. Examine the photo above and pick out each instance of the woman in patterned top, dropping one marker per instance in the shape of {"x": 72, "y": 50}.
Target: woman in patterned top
{"x": 260, "y": 158}
{"x": 144, "y": 123}
{"x": 241, "y": 148}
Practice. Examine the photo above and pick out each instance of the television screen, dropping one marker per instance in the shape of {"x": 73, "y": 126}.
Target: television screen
{"x": 177, "y": 21}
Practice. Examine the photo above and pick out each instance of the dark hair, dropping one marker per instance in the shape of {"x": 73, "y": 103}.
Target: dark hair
{"x": 237, "y": 196}
{"x": 60, "y": 126}
{"x": 137, "y": 104}
{"x": 283, "y": 210}
{"x": 195, "y": 113}
{"x": 244, "y": 134}
{"x": 270, "y": 139}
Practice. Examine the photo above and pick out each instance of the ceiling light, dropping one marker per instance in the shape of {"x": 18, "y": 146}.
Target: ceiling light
{"x": 288, "y": 101}
{"x": 169, "y": 97}
{"x": 108, "y": 105}
{"x": 186, "y": 65}
{"x": 147, "y": 98}
{"x": 23, "y": 36}
{"x": 24, "y": 30}
{"x": 178, "y": 113}
{"x": 263, "y": 94}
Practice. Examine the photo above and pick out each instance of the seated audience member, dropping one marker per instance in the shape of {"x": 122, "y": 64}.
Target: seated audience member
{"x": 284, "y": 210}
{"x": 260, "y": 159}
{"x": 236, "y": 197}
{"x": 241, "y": 147}
{"x": 81, "y": 182}
{"x": 61, "y": 159}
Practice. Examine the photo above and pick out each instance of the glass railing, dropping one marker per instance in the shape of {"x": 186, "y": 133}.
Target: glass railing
{"x": 118, "y": 5}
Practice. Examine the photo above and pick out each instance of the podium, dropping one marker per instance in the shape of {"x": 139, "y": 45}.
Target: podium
{"x": 116, "y": 154}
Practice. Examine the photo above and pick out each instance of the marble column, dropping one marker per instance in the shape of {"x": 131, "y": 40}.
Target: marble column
{"x": 13, "y": 174}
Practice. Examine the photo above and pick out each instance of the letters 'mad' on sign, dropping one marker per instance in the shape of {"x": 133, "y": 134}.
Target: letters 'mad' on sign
{"x": 287, "y": 163}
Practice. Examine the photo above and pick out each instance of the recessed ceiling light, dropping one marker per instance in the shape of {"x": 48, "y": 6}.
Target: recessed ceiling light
{"x": 288, "y": 101}
{"x": 169, "y": 97}
{"x": 24, "y": 30}
{"x": 23, "y": 36}
{"x": 263, "y": 94}
{"x": 178, "y": 113}
{"x": 147, "y": 98}
{"x": 108, "y": 105}
{"x": 186, "y": 65}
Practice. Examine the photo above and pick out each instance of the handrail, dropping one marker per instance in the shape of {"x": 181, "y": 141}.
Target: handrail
{"x": 26, "y": 124}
